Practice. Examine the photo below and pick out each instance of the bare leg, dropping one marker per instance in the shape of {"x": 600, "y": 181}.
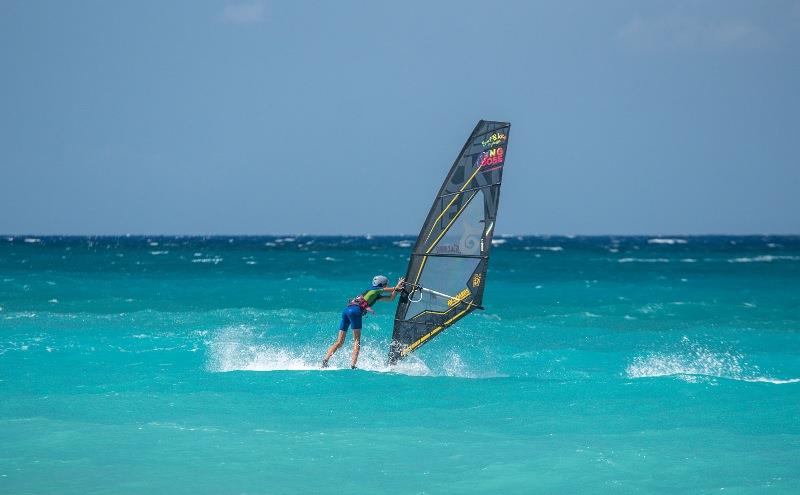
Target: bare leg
{"x": 336, "y": 345}
{"x": 356, "y": 346}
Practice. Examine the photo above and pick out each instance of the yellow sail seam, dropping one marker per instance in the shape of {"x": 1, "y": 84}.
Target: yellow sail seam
{"x": 433, "y": 226}
{"x": 443, "y": 232}
{"x": 433, "y": 332}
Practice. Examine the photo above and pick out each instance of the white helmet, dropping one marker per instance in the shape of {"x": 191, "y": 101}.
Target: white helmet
{"x": 380, "y": 281}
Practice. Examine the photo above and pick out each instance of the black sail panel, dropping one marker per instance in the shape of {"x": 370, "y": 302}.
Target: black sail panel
{"x": 447, "y": 269}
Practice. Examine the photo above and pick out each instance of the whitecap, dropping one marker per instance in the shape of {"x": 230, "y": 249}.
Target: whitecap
{"x": 550, "y": 248}
{"x": 765, "y": 379}
{"x": 643, "y": 260}
{"x": 497, "y": 242}
{"x": 53, "y": 301}
{"x": 215, "y": 260}
{"x": 32, "y": 240}
{"x": 157, "y": 253}
{"x": 668, "y": 241}
{"x": 690, "y": 361}
{"x": 764, "y": 259}
{"x": 402, "y": 244}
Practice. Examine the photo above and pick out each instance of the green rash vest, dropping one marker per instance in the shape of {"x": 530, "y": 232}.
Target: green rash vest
{"x": 372, "y": 295}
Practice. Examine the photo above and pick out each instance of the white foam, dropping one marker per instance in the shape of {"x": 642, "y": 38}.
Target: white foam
{"x": 32, "y": 240}
{"x": 691, "y": 361}
{"x": 157, "y": 253}
{"x": 764, "y": 259}
{"x": 328, "y": 258}
{"x": 153, "y": 243}
{"x": 237, "y": 349}
{"x": 776, "y": 381}
{"x": 402, "y": 244}
{"x": 215, "y": 260}
{"x": 497, "y": 242}
{"x": 550, "y": 248}
{"x": 643, "y": 260}
{"x": 668, "y": 241}
{"x": 650, "y": 308}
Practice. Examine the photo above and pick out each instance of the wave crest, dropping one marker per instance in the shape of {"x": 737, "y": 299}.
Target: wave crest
{"x": 692, "y": 362}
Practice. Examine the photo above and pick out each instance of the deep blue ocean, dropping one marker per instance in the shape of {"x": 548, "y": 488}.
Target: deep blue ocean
{"x": 187, "y": 365}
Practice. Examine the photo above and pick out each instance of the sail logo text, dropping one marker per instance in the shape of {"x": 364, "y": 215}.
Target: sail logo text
{"x": 447, "y": 249}
{"x": 492, "y": 157}
{"x": 459, "y": 297}
{"x": 494, "y": 139}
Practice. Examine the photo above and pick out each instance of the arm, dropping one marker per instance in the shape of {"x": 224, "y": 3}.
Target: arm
{"x": 393, "y": 290}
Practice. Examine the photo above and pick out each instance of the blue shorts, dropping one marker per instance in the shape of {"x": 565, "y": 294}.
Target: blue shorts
{"x": 351, "y": 316}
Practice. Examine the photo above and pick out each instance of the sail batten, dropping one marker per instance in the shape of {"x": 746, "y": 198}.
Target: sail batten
{"x": 447, "y": 268}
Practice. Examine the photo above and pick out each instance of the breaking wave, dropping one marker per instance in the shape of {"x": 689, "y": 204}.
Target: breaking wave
{"x": 764, "y": 259}
{"x": 692, "y": 362}
{"x": 668, "y": 241}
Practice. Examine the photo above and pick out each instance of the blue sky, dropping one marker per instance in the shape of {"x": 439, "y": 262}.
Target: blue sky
{"x": 260, "y": 117}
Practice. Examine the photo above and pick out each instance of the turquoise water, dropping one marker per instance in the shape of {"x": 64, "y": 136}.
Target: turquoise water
{"x": 601, "y": 365}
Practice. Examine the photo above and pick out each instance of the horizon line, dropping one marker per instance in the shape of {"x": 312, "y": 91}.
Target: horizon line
{"x": 306, "y": 234}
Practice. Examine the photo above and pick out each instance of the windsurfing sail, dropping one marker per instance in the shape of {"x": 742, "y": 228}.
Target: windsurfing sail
{"x": 447, "y": 270}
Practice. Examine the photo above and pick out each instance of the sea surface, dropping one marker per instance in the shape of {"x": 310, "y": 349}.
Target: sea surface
{"x": 188, "y": 365}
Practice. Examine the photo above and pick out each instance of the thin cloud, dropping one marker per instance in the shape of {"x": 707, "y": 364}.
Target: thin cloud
{"x": 691, "y": 33}
{"x": 243, "y": 13}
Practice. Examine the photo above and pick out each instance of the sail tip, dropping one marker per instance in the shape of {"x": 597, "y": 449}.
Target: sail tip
{"x": 499, "y": 123}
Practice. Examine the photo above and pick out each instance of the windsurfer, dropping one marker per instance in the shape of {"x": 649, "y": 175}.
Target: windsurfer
{"x": 351, "y": 316}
